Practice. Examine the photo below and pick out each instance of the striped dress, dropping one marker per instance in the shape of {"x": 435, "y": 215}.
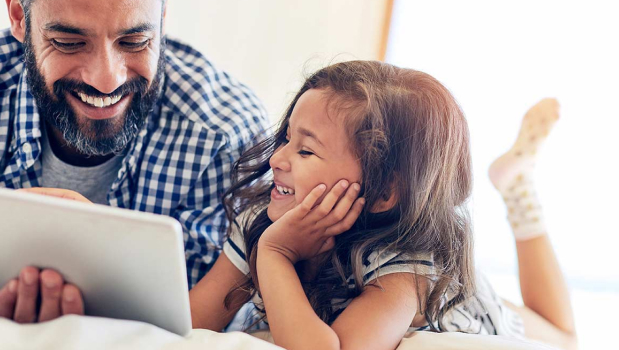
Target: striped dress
{"x": 484, "y": 313}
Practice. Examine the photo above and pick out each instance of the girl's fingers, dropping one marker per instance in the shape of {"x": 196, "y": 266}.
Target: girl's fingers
{"x": 310, "y": 200}
{"x": 342, "y": 207}
{"x": 349, "y": 220}
{"x": 326, "y": 206}
{"x": 327, "y": 245}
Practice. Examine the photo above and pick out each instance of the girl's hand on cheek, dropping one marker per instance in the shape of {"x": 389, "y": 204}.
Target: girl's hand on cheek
{"x": 306, "y": 231}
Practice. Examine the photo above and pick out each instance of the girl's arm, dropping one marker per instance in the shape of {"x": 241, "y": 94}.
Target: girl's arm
{"x": 207, "y": 297}
{"x": 376, "y": 319}
{"x": 380, "y": 317}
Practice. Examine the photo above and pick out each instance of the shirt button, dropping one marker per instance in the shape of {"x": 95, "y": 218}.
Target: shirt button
{"x": 27, "y": 148}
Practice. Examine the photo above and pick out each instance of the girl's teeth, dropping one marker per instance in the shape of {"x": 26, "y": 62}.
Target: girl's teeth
{"x": 284, "y": 190}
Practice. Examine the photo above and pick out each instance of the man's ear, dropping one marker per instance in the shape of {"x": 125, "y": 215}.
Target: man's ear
{"x": 17, "y": 18}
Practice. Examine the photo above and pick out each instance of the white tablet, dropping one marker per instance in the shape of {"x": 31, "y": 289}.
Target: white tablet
{"x": 128, "y": 264}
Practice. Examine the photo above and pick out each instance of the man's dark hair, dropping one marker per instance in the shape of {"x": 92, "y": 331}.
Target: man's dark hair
{"x": 27, "y": 3}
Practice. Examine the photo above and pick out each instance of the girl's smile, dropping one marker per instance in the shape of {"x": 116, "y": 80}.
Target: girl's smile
{"x": 281, "y": 192}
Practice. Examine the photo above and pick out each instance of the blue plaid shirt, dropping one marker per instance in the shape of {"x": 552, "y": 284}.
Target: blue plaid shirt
{"x": 179, "y": 163}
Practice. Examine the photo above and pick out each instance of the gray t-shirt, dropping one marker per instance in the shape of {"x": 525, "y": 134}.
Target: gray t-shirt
{"x": 92, "y": 182}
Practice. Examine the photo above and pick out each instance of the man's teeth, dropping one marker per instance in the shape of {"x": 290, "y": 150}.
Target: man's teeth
{"x": 99, "y": 101}
{"x": 284, "y": 190}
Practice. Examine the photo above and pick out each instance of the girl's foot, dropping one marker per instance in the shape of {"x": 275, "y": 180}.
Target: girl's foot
{"x": 512, "y": 173}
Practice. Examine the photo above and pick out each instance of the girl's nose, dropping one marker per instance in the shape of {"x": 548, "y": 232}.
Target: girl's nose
{"x": 279, "y": 159}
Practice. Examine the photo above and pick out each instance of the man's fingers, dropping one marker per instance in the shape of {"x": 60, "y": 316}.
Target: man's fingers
{"x": 51, "y": 291}
{"x": 342, "y": 207}
{"x": 349, "y": 220}
{"x": 18, "y": 298}
{"x": 27, "y": 294}
{"x": 8, "y": 297}
{"x": 72, "y": 302}
{"x": 310, "y": 200}
{"x": 57, "y": 192}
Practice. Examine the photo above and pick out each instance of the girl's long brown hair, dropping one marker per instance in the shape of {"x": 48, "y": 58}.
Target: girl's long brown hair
{"x": 411, "y": 138}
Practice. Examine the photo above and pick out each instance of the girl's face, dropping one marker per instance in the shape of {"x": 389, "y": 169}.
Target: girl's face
{"x": 317, "y": 152}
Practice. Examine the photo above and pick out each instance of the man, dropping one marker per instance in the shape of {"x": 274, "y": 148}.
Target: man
{"x": 93, "y": 100}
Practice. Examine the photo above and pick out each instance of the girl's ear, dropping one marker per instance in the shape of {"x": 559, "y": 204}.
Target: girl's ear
{"x": 17, "y": 18}
{"x": 387, "y": 201}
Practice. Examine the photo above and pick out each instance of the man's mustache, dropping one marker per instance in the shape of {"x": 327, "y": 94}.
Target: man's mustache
{"x": 137, "y": 85}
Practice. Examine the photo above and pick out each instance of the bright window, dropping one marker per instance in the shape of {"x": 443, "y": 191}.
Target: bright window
{"x": 499, "y": 58}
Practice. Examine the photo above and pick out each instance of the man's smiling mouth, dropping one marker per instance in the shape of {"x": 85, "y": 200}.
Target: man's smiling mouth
{"x": 100, "y": 102}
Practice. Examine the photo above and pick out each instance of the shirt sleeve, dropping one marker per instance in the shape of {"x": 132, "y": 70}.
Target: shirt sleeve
{"x": 387, "y": 263}
{"x": 234, "y": 246}
{"x": 201, "y": 211}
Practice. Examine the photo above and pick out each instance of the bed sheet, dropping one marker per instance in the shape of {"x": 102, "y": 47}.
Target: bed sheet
{"x": 85, "y": 332}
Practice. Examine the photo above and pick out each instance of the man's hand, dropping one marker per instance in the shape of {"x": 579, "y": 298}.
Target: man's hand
{"x": 19, "y": 297}
{"x": 56, "y": 192}
{"x": 38, "y": 296}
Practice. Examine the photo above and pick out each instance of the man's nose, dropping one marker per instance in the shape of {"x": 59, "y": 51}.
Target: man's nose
{"x": 106, "y": 70}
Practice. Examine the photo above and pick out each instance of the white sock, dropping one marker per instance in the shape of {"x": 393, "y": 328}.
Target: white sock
{"x": 512, "y": 174}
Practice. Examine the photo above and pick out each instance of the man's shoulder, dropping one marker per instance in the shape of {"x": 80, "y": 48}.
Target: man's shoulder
{"x": 11, "y": 60}
{"x": 209, "y": 97}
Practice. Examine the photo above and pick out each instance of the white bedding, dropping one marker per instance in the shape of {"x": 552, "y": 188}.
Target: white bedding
{"x": 82, "y": 332}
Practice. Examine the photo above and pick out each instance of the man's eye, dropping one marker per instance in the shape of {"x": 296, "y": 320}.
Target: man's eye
{"x": 136, "y": 46}
{"x": 68, "y": 46}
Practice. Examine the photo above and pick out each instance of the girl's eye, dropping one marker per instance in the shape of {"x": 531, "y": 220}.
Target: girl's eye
{"x": 305, "y": 153}
{"x": 68, "y": 46}
{"x": 135, "y": 46}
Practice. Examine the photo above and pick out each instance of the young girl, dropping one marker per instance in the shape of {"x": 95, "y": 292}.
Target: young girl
{"x": 350, "y": 225}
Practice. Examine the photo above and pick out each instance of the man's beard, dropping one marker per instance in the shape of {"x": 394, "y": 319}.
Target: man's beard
{"x": 93, "y": 137}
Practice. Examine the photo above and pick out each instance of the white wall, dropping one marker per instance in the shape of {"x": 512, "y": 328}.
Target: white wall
{"x": 267, "y": 43}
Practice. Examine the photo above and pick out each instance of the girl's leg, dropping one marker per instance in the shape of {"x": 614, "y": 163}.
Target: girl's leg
{"x": 547, "y": 312}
